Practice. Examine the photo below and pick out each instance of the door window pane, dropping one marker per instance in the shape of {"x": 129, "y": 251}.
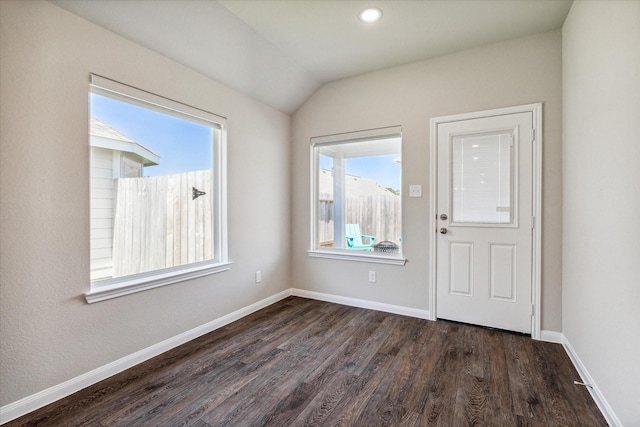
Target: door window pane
{"x": 481, "y": 178}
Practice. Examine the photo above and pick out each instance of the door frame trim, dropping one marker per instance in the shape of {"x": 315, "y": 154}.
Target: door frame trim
{"x": 536, "y": 271}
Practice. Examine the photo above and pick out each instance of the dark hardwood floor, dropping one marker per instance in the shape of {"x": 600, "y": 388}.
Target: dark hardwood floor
{"x": 304, "y": 362}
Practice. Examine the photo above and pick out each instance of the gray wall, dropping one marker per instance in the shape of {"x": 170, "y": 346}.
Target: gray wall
{"x": 601, "y": 168}
{"x": 49, "y": 334}
{"x": 521, "y": 71}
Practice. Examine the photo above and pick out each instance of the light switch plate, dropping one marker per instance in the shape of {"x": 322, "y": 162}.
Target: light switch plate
{"x": 415, "y": 191}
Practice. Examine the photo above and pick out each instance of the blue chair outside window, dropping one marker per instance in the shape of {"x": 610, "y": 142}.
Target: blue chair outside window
{"x": 354, "y": 238}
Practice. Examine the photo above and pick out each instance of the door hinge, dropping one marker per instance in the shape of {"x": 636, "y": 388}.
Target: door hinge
{"x": 533, "y": 222}
{"x": 533, "y": 135}
{"x": 533, "y": 312}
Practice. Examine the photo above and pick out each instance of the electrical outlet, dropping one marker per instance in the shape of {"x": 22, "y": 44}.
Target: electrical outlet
{"x": 415, "y": 191}
{"x": 372, "y": 276}
{"x": 258, "y": 276}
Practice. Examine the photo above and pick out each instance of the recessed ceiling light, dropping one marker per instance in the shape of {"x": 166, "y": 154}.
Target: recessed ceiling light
{"x": 371, "y": 15}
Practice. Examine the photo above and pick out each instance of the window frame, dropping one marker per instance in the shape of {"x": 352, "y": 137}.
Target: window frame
{"x": 104, "y": 289}
{"x": 340, "y": 253}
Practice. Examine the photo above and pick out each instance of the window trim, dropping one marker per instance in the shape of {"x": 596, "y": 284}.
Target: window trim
{"x": 347, "y": 255}
{"x": 105, "y": 289}
{"x": 113, "y": 288}
{"x": 337, "y": 253}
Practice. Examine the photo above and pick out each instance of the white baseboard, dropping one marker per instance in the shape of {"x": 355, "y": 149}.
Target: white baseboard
{"x": 597, "y": 396}
{"x": 551, "y": 336}
{"x": 42, "y": 398}
{"x": 361, "y": 303}
{"x": 38, "y": 400}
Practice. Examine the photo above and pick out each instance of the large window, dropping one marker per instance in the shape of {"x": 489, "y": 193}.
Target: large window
{"x": 356, "y": 212}
{"x": 157, "y": 202}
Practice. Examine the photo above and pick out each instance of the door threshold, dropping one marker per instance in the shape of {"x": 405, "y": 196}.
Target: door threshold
{"x": 490, "y": 328}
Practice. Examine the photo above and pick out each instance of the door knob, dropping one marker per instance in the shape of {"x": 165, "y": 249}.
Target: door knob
{"x": 443, "y": 230}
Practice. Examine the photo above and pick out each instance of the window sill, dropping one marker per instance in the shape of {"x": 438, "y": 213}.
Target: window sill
{"x": 114, "y": 288}
{"x": 373, "y": 257}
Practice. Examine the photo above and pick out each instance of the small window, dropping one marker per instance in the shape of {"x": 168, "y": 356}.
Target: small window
{"x": 157, "y": 183}
{"x": 482, "y": 177}
{"x": 356, "y": 196}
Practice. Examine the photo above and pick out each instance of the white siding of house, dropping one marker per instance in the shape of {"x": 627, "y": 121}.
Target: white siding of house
{"x": 102, "y": 204}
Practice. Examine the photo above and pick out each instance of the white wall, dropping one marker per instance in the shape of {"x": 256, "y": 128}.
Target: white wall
{"x": 516, "y": 72}
{"x": 601, "y": 174}
{"x": 48, "y": 333}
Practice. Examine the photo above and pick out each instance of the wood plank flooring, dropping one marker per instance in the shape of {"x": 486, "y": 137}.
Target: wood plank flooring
{"x": 305, "y": 362}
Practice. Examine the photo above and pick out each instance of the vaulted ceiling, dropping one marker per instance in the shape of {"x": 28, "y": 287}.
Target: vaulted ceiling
{"x": 281, "y": 51}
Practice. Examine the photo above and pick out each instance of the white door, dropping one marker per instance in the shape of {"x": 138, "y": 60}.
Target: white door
{"x": 485, "y": 220}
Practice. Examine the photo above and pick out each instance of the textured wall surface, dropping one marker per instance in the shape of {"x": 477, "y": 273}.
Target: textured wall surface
{"x": 516, "y": 72}
{"x": 48, "y": 333}
{"x": 601, "y": 144}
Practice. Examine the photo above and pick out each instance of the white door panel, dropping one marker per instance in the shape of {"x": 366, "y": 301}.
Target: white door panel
{"x": 461, "y": 268}
{"x": 485, "y": 202}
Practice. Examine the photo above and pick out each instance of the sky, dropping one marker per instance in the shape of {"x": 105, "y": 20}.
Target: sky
{"x": 186, "y": 146}
{"x": 182, "y": 145}
{"x": 385, "y": 170}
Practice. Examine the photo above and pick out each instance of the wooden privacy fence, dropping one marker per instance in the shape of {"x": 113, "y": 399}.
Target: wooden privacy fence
{"x": 158, "y": 225}
{"x": 378, "y": 215}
